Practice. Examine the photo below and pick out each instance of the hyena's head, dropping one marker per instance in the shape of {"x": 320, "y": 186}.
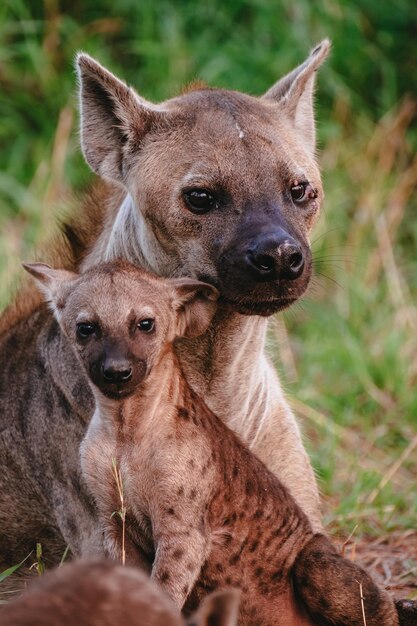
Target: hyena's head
{"x": 223, "y": 187}
{"x": 121, "y": 320}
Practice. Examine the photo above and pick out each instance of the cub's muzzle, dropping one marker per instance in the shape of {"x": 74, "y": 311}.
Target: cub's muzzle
{"x": 117, "y": 377}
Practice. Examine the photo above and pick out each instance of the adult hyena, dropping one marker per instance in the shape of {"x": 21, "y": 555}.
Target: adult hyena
{"x": 214, "y": 185}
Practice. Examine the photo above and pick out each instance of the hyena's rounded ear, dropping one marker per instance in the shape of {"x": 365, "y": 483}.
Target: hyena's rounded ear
{"x": 294, "y": 94}
{"x": 112, "y": 116}
{"x": 218, "y": 609}
{"x": 49, "y": 280}
{"x": 407, "y": 612}
{"x": 195, "y": 303}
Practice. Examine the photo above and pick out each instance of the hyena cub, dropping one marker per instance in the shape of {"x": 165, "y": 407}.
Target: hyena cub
{"x": 200, "y": 509}
{"x": 102, "y": 593}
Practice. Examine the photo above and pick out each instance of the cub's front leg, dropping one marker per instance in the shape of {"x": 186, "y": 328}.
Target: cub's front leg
{"x": 179, "y": 557}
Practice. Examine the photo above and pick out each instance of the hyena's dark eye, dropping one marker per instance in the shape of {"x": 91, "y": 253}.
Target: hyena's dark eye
{"x": 85, "y": 330}
{"x": 301, "y": 192}
{"x": 200, "y": 200}
{"x": 146, "y": 325}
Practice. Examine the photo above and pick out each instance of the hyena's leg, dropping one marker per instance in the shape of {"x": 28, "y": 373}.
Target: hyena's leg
{"x": 178, "y": 561}
{"x": 335, "y": 591}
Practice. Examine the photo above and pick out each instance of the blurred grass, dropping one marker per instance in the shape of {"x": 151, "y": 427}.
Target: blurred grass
{"x": 347, "y": 353}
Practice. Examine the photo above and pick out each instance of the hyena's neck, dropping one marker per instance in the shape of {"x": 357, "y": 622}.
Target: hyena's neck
{"x": 154, "y": 403}
{"x": 226, "y": 365}
{"x": 228, "y": 368}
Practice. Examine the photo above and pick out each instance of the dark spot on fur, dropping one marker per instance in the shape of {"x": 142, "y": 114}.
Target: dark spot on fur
{"x": 324, "y": 604}
{"x": 65, "y": 405}
{"x": 228, "y": 540}
{"x": 53, "y": 331}
{"x": 249, "y": 488}
{"x": 178, "y": 553}
{"x": 264, "y": 589}
{"x": 258, "y": 514}
{"x": 164, "y": 576}
{"x": 228, "y": 580}
{"x": 208, "y": 587}
{"x": 191, "y": 463}
{"x": 71, "y": 526}
{"x": 171, "y": 511}
{"x": 253, "y": 546}
{"x": 180, "y": 491}
{"x": 259, "y": 571}
{"x": 302, "y": 581}
{"x": 183, "y": 413}
{"x": 242, "y": 515}
{"x": 219, "y": 567}
{"x": 276, "y": 576}
{"x": 193, "y": 494}
{"x": 234, "y": 559}
{"x": 213, "y": 455}
{"x": 235, "y": 471}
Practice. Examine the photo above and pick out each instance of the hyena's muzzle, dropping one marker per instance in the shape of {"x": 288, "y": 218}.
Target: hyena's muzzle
{"x": 265, "y": 267}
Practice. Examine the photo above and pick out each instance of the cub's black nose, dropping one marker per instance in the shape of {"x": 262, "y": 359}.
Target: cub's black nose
{"x": 116, "y": 371}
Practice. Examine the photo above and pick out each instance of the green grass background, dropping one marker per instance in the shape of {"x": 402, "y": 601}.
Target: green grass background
{"x": 347, "y": 353}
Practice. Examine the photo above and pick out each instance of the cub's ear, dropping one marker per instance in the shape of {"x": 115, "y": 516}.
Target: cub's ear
{"x": 218, "y": 609}
{"x": 50, "y": 281}
{"x": 113, "y": 116}
{"x": 294, "y": 94}
{"x": 407, "y": 612}
{"x": 196, "y": 304}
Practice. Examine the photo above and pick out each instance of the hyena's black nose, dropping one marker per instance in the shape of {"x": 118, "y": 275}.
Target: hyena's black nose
{"x": 274, "y": 257}
{"x": 116, "y": 370}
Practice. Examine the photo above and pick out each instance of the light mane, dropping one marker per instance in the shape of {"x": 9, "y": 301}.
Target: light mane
{"x": 130, "y": 238}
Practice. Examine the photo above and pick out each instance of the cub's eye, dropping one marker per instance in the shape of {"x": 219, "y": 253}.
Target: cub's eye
{"x": 300, "y": 192}
{"x": 147, "y": 325}
{"x": 200, "y": 200}
{"x": 85, "y": 330}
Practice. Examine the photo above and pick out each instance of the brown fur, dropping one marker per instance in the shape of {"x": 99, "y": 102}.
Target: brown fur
{"x": 249, "y": 151}
{"x": 77, "y": 234}
{"x": 200, "y": 507}
{"x": 100, "y": 593}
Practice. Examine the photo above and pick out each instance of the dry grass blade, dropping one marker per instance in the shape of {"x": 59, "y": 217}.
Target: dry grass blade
{"x": 320, "y": 419}
{"x": 347, "y": 541}
{"x": 392, "y": 470}
{"x": 122, "y": 511}
{"x": 362, "y": 603}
